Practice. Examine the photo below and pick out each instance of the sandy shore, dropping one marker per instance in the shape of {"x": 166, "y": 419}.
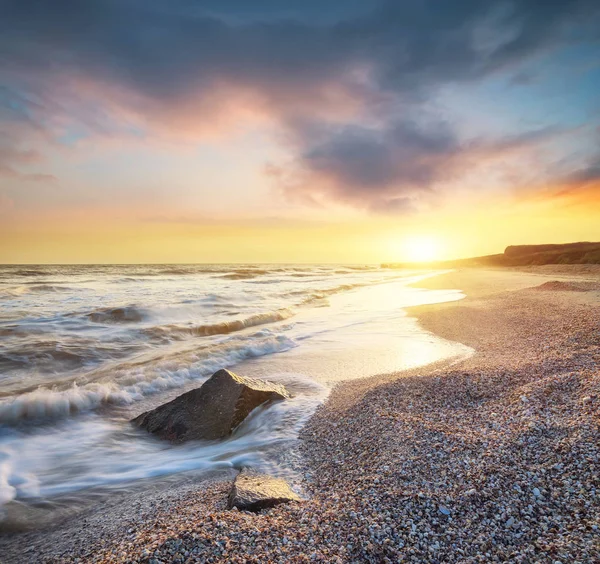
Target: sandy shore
{"x": 493, "y": 459}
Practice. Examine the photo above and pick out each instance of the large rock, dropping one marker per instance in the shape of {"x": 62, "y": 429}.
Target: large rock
{"x": 253, "y": 492}
{"x": 212, "y": 411}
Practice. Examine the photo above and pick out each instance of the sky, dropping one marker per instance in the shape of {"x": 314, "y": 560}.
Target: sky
{"x": 296, "y": 130}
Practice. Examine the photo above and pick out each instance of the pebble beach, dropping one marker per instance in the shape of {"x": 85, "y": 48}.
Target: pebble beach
{"x": 494, "y": 458}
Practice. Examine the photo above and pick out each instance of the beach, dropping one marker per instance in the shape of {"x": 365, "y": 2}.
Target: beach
{"x": 490, "y": 457}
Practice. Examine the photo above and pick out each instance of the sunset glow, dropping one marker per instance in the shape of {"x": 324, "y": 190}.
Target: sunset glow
{"x": 201, "y": 145}
{"x": 421, "y": 249}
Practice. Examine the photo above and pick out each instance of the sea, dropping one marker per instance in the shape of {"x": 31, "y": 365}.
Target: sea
{"x": 84, "y": 349}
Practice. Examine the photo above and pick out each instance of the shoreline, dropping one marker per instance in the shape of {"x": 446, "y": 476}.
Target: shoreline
{"x": 385, "y": 454}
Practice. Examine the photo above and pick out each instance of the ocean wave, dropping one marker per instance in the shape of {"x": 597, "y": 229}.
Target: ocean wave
{"x": 49, "y": 288}
{"x": 35, "y": 356}
{"x": 245, "y": 274}
{"x": 29, "y": 272}
{"x": 316, "y": 301}
{"x": 315, "y": 295}
{"x": 272, "y": 281}
{"x": 318, "y": 295}
{"x": 212, "y": 298}
{"x": 170, "y": 271}
{"x": 142, "y": 273}
{"x": 134, "y": 382}
{"x": 11, "y": 331}
{"x": 257, "y": 271}
{"x": 126, "y": 279}
{"x": 45, "y": 403}
{"x": 16, "y": 291}
{"x": 179, "y": 271}
{"x": 127, "y": 314}
{"x": 43, "y": 353}
{"x": 237, "y": 276}
{"x": 222, "y": 328}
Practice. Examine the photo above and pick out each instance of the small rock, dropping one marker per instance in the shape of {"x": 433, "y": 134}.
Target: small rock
{"x": 253, "y": 492}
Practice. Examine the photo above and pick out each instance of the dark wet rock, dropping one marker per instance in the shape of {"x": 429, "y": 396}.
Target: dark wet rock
{"x": 253, "y": 492}
{"x": 212, "y": 411}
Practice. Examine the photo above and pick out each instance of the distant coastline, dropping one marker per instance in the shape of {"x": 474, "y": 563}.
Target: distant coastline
{"x": 521, "y": 255}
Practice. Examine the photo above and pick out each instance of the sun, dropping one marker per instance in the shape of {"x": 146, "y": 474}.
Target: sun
{"x": 421, "y": 248}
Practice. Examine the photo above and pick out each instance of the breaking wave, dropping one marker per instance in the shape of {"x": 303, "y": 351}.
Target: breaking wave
{"x": 28, "y": 272}
{"x": 128, "y": 314}
{"x": 223, "y": 328}
{"x": 237, "y": 276}
{"x": 49, "y": 288}
{"x": 245, "y": 274}
{"x": 133, "y": 382}
{"x": 16, "y": 291}
{"x": 317, "y": 295}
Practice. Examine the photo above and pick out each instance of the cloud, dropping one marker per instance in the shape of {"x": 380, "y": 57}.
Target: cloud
{"x": 377, "y": 167}
{"x": 393, "y": 167}
{"x": 581, "y": 185}
{"x": 166, "y": 51}
{"x": 337, "y": 80}
{"x": 11, "y": 156}
{"x": 11, "y": 173}
{"x": 586, "y": 175}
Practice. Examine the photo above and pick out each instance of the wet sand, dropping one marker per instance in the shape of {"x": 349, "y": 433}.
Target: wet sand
{"x": 491, "y": 459}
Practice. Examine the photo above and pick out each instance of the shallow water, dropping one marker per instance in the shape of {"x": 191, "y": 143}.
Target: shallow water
{"x": 85, "y": 348}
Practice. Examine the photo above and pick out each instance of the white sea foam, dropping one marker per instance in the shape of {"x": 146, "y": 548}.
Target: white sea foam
{"x": 131, "y": 384}
{"x": 105, "y": 452}
{"x": 127, "y": 314}
{"x": 80, "y": 377}
{"x": 16, "y": 291}
{"x": 223, "y": 327}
